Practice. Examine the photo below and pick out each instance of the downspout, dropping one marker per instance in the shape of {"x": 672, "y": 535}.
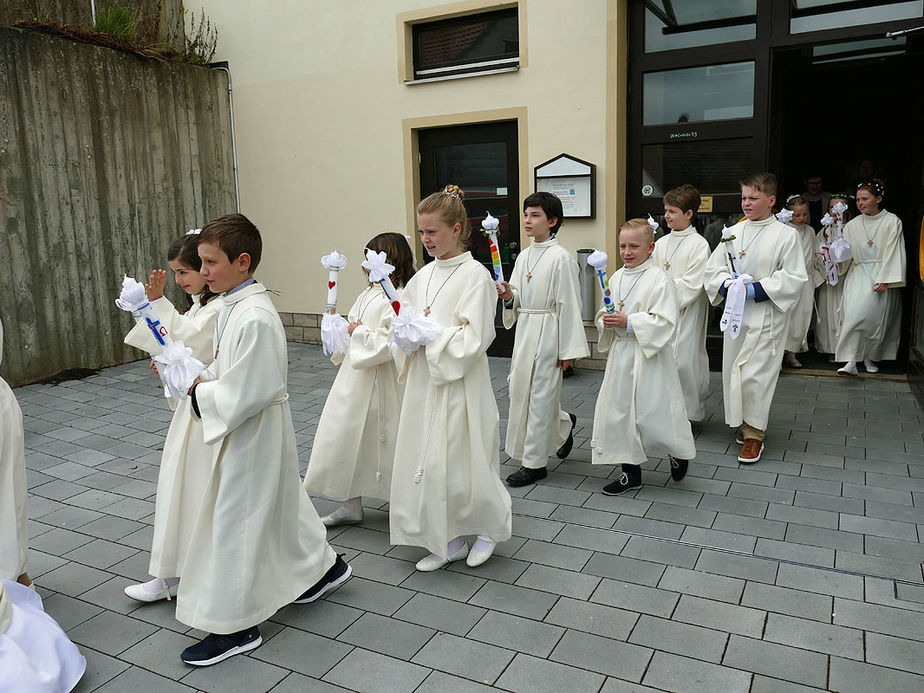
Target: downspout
{"x": 237, "y": 192}
{"x": 93, "y": 12}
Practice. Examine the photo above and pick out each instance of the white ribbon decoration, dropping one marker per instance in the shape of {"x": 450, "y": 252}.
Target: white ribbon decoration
{"x": 377, "y": 264}
{"x": 735, "y": 297}
{"x": 652, "y": 223}
{"x": 784, "y": 215}
{"x": 335, "y": 335}
{"x": 414, "y": 330}
{"x": 179, "y": 368}
{"x": 827, "y": 220}
{"x": 840, "y": 249}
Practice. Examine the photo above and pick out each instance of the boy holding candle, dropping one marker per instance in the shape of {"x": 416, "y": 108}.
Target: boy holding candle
{"x": 258, "y": 543}
{"x": 543, "y": 295}
{"x": 760, "y": 260}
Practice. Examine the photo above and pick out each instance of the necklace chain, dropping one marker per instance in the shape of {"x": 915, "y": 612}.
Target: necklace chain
{"x": 744, "y": 249}
{"x": 667, "y": 262}
{"x": 428, "y": 301}
{"x": 619, "y": 297}
{"x": 529, "y": 270}
{"x": 869, "y": 238}
{"x": 364, "y": 304}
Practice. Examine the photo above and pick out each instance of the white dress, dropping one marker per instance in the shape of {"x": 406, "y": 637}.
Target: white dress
{"x": 683, "y": 256}
{"x": 640, "y": 411}
{"x": 871, "y": 322}
{"x": 354, "y": 447}
{"x": 547, "y": 310}
{"x": 446, "y": 479}
{"x": 35, "y": 654}
{"x": 186, "y": 461}
{"x": 14, "y": 531}
{"x": 800, "y": 316}
{"x": 258, "y": 542}
{"x": 751, "y": 363}
{"x": 827, "y": 297}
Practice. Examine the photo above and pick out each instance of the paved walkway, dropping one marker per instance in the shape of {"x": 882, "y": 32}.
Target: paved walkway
{"x": 801, "y": 572}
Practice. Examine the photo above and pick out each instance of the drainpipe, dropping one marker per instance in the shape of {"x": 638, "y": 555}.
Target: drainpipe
{"x": 237, "y": 192}
{"x": 93, "y": 12}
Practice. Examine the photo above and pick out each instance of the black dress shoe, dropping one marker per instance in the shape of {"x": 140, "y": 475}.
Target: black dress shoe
{"x": 217, "y": 647}
{"x": 525, "y": 476}
{"x": 678, "y": 468}
{"x": 565, "y": 448}
{"x": 631, "y": 477}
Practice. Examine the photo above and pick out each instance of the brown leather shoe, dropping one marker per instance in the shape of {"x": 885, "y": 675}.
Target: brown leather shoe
{"x": 750, "y": 451}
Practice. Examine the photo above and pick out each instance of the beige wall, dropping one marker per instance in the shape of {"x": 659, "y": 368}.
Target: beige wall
{"x": 321, "y": 119}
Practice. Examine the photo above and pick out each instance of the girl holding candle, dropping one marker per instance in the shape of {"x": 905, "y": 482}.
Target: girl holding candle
{"x": 184, "y": 468}
{"x": 354, "y": 447}
{"x": 445, "y": 483}
{"x": 871, "y": 308}
{"x": 828, "y": 298}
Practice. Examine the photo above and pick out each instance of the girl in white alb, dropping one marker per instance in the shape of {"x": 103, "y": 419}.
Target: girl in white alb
{"x": 800, "y": 315}
{"x": 828, "y": 297}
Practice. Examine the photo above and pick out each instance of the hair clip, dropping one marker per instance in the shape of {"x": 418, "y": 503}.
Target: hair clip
{"x": 792, "y": 197}
{"x": 452, "y": 194}
{"x": 652, "y": 223}
{"x": 194, "y": 232}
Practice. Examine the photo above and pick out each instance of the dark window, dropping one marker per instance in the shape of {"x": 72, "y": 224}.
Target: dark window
{"x": 474, "y": 43}
{"x": 716, "y": 166}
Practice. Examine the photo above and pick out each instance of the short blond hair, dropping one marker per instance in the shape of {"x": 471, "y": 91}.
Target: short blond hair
{"x": 763, "y": 181}
{"x": 639, "y": 224}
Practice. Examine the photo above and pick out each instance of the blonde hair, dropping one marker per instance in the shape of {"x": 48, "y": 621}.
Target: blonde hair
{"x": 764, "y": 182}
{"x": 448, "y": 204}
{"x": 639, "y": 224}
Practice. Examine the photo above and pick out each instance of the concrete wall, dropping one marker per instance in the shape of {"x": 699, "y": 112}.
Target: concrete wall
{"x": 104, "y": 159}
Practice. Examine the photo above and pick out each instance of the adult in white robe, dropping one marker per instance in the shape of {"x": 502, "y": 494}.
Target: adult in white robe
{"x": 800, "y": 316}
{"x": 772, "y": 254}
{"x": 35, "y": 654}
{"x": 446, "y": 482}
{"x": 14, "y": 531}
{"x": 258, "y": 543}
{"x": 827, "y": 297}
{"x": 683, "y": 256}
{"x": 546, "y": 306}
{"x": 640, "y": 411}
{"x": 185, "y": 464}
{"x": 871, "y": 321}
{"x": 354, "y": 447}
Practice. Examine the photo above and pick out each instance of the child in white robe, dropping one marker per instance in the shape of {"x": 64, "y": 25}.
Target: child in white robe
{"x": 354, "y": 446}
{"x": 446, "y": 483}
{"x": 800, "y": 317}
{"x": 828, "y": 297}
{"x": 14, "y": 530}
{"x": 767, "y": 258}
{"x": 542, "y": 298}
{"x": 682, "y": 254}
{"x": 871, "y": 306}
{"x": 258, "y": 543}
{"x": 184, "y": 468}
{"x": 640, "y": 410}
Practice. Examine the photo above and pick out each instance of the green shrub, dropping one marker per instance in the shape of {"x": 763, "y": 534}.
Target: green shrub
{"x": 118, "y": 21}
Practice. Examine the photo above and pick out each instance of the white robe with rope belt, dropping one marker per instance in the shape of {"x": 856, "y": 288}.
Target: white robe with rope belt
{"x": 871, "y": 322}
{"x": 14, "y": 530}
{"x": 640, "y": 411}
{"x": 827, "y": 298}
{"x": 186, "y": 460}
{"x": 354, "y": 447}
{"x": 800, "y": 316}
{"x": 446, "y": 479}
{"x": 683, "y": 256}
{"x": 751, "y": 363}
{"x": 258, "y": 542}
{"x": 547, "y": 310}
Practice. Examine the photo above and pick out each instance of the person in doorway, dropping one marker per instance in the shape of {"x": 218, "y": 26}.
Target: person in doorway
{"x": 871, "y": 305}
{"x": 828, "y": 297}
{"x": 258, "y": 543}
{"x": 683, "y": 254}
{"x": 762, "y": 259}
{"x": 800, "y": 317}
{"x": 640, "y": 409}
{"x": 817, "y": 200}
{"x": 542, "y": 296}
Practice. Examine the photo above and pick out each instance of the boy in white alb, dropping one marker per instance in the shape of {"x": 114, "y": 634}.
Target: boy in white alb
{"x": 683, "y": 254}
{"x": 543, "y": 297}
{"x": 258, "y": 543}
{"x": 640, "y": 410}
{"x": 762, "y": 259}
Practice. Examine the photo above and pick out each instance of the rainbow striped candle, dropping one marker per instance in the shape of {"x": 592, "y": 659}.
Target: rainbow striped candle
{"x": 489, "y": 227}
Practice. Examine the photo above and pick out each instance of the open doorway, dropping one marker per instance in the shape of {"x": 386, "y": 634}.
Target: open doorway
{"x": 838, "y": 108}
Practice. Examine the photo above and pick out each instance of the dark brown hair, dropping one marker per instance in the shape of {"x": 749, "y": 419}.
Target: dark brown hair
{"x": 550, "y": 204}
{"x": 685, "y": 197}
{"x": 235, "y": 234}
{"x": 183, "y": 250}
{"x": 398, "y": 253}
{"x": 448, "y": 204}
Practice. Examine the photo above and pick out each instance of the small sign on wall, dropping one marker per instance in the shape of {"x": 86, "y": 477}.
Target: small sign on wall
{"x": 573, "y": 181}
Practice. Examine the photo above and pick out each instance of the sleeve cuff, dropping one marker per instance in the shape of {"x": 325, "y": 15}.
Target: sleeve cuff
{"x": 195, "y": 402}
{"x": 759, "y": 293}
{"x": 629, "y": 324}
{"x": 723, "y": 290}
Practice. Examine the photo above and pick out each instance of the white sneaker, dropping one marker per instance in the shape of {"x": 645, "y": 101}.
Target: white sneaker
{"x": 152, "y": 590}
{"x": 870, "y": 366}
{"x": 481, "y": 551}
{"x": 848, "y": 369}
{"x": 434, "y": 562}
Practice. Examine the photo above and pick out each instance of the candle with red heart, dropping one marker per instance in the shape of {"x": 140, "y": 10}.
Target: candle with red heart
{"x": 334, "y": 262}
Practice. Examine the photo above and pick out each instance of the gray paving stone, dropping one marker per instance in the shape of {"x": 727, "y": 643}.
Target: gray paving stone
{"x": 764, "y": 684}
{"x": 528, "y": 674}
{"x": 583, "y": 516}
{"x": 624, "y": 568}
{"x": 828, "y": 538}
{"x": 100, "y": 669}
{"x": 820, "y": 581}
{"x": 322, "y": 617}
{"x": 680, "y": 638}
{"x": 236, "y": 675}
{"x": 566, "y": 557}
{"x": 445, "y": 583}
{"x": 595, "y": 653}
{"x": 371, "y": 596}
{"x": 58, "y": 541}
{"x": 73, "y": 579}
{"x": 897, "y": 653}
{"x": 855, "y": 677}
{"x": 718, "y": 539}
{"x": 625, "y": 595}
{"x": 720, "y": 616}
{"x": 462, "y": 657}
{"x": 100, "y": 553}
{"x": 803, "y": 516}
{"x": 297, "y": 683}
{"x": 536, "y": 527}
{"x": 661, "y": 552}
{"x": 439, "y": 682}
{"x": 558, "y": 581}
{"x": 592, "y": 539}
{"x": 514, "y": 600}
{"x": 681, "y": 514}
{"x": 777, "y": 661}
{"x": 734, "y": 506}
{"x": 440, "y": 614}
{"x": 647, "y": 527}
{"x": 893, "y": 548}
{"x": 733, "y": 565}
{"x": 799, "y": 553}
{"x": 111, "y": 633}
{"x": 717, "y": 587}
{"x": 593, "y": 618}
{"x": 812, "y": 635}
{"x": 303, "y": 652}
{"x": 879, "y": 619}
{"x": 674, "y": 673}
{"x": 160, "y": 653}
{"x": 136, "y": 679}
{"x": 786, "y": 601}
{"x": 517, "y": 633}
{"x": 835, "y": 504}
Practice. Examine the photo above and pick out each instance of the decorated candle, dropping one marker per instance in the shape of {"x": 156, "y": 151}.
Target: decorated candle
{"x": 597, "y": 260}
{"x": 489, "y": 227}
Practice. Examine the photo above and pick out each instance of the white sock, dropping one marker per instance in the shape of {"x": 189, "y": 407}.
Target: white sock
{"x": 455, "y": 545}
{"x": 482, "y": 543}
{"x": 351, "y": 506}
{"x": 850, "y": 364}
{"x": 157, "y": 585}
{"x": 867, "y": 363}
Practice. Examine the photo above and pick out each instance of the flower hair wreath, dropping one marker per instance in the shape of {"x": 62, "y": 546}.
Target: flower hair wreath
{"x": 875, "y": 185}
